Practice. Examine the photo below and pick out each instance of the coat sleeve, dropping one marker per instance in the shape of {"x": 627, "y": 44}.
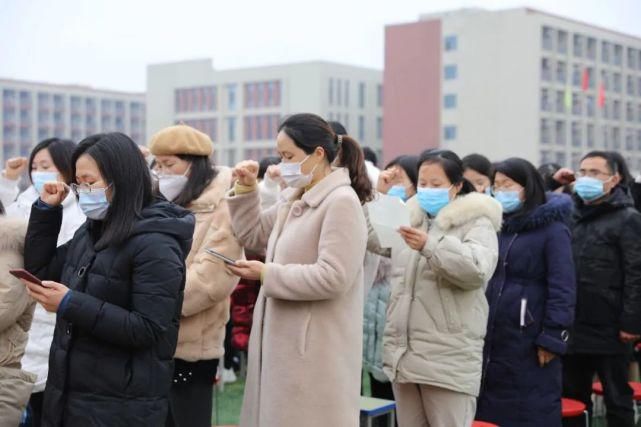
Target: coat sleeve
{"x": 468, "y": 262}
{"x": 8, "y": 191}
{"x": 42, "y": 257}
{"x": 208, "y": 281}
{"x": 561, "y": 290}
{"x": 251, "y": 226}
{"x": 13, "y": 302}
{"x": 157, "y": 282}
{"x": 339, "y": 258}
{"x": 630, "y": 249}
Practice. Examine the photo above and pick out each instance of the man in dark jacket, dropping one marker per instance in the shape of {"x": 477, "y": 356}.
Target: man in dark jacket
{"x": 607, "y": 255}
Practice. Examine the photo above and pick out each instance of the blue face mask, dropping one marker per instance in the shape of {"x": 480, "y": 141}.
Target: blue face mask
{"x": 398, "y": 191}
{"x": 488, "y": 191}
{"x": 509, "y": 200}
{"x": 40, "y": 178}
{"x": 432, "y": 200}
{"x": 94, "y": 204}
{"x": 589, "y": 189}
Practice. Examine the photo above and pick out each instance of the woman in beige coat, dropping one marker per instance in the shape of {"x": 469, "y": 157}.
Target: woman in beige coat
{"x": 437, "y": 314}
{"x": 186, "y": 177}
{"x": 16, "y": 313}
{"x": 306, "y": 344}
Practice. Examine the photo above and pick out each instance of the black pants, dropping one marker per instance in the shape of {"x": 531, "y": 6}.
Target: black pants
{"x": 35, "y": 409}
{"x": 578, "y": 374}
{"x": 381, "y": 390}
{"x": 190, "y": 402}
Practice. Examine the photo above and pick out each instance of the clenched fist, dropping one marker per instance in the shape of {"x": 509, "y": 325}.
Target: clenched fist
{"x": 15, "y": 167}
{"x": 246, "y": 173}
{"x": 54, "y": 193}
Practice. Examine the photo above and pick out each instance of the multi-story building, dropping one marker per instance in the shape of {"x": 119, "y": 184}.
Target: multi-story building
{"x": 241, "y": 109}
{"x": 31, "y": 112}
{"x": 516, "y": 82}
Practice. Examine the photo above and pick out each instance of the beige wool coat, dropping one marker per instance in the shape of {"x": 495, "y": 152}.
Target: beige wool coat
{"x": 16, "y": 313}
{"x": 209, "y": 284}
{"x": 305, "y": 347}
{"x": 437, "y": 314}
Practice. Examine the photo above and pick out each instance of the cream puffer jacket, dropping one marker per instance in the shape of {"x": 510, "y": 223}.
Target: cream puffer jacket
{"x": 437, "y": 314}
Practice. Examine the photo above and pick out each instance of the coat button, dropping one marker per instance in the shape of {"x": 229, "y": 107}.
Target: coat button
{"x": 297, "y": 210}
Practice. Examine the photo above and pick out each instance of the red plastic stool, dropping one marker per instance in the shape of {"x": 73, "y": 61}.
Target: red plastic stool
{"x": 571, "y": 408}
{"x": 483, "y": 424}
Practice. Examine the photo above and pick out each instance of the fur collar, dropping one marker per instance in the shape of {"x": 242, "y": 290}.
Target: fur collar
{"x": 12, "y": 234}
{"x": 212, "y": 195}
{"x": 461, "y": 210}
{"x": 558, "y": 208}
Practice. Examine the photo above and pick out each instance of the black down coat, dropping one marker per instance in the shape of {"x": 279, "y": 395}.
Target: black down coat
{"x": 111, "y": 360}
{"x": 607, "y": 255}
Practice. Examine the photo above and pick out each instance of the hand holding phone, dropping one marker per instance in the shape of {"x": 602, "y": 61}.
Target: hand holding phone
{"x": 23, "y": 274}
{"x": 221, "y": 257}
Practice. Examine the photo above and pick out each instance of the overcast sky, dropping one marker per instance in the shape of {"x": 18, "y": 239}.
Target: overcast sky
{"x": 108, "y": 43}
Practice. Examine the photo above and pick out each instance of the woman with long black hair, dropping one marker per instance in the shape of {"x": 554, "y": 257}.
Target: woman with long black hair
{"x": 116, "y": 287}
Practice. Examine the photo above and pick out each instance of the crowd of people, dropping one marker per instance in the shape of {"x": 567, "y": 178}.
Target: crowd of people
{"x": 513, "y": 286}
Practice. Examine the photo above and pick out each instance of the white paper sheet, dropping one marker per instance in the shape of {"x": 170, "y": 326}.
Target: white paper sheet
{"x": 387, "y": 214}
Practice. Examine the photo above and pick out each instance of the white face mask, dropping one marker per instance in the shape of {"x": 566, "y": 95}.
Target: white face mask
{"x": 292, "y": 176}
{"x": 171, "y": 186}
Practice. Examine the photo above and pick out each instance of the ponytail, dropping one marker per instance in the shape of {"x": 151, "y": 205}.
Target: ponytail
{"x": 350, "y": 156}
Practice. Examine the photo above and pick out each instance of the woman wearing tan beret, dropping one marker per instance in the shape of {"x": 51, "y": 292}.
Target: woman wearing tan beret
{"x": 187, "y": 177}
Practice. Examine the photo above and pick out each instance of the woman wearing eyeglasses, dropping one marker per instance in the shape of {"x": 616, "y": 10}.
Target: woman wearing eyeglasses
{"x": 116, "y": 288}
{"x": 531, "y": 298}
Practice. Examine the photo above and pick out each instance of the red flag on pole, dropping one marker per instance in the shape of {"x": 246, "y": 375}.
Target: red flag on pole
{"x": 585, "y": 80}
{"x": 601, "y": 99}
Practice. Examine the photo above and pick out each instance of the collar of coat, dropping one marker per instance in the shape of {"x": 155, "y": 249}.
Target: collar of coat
{"x": 459, "y": 211}
{"x": 212, "y": 195}
{"x": 12, "y": 233}
{"x": 557, "y": 208}
{"x": 315, "y": 195}
{"x": 618, "y": 199}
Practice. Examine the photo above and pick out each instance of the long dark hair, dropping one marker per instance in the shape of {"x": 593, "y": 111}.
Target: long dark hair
{"x": 122, "y": 166}
{"x": 61, "y": 151}
{"x": 452, "y": 166}
{"x": 409, "y": 165}
{"x": 479, "y": 163}
{"x": 309, "y": 131}
{"x": 201, "y": 174}
{"x": 526, "y": 175}
{"x": 622, "y": 168}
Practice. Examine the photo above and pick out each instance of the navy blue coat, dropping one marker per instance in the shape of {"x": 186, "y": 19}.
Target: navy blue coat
{"x": 535, "y": 268}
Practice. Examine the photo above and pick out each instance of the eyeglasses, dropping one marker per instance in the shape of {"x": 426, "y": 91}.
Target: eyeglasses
{"x": 86, "y": 188}
{"x": 591, "y": 173}
{"x": 494, "y": 189}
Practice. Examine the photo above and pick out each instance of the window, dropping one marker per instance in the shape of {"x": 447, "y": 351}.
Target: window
{"x": 618, "y": 54}
{"x": 561, "y": 158}
{"x": 629, "y": 112}
{"x": 590, "y": 105}
{"x": 347, "y": 93}
{"x": 361, "y": 95}
{"x": 577, "y": 45}
{"x": 562, "y": 42}
{"x": 629, "y": 86}
{"x": 545, "y": 100}
{"x": 450, "y": 72}
{"x": 559, "y": 129}
{"x": 547, "y": 38}
{"x": 639, "y": 139}
{"x": 616, "y": 110}
{"x": 232, "y": 90}
{"x": 379, "y": 95}
{"x": 629, "y": 139}
{"x": 231, "y": 129}
{"x": 560, "y": 101}
{"x": 546, "y": 70}
{"x": 449, "y": 133}
{"x": 632, "y": 58}
{"x": 339, "y": 92}
{"x": 590, "y": 136}
{"x": 576, "y": 134}
{"x": 361, "y": 129}
{"x": 591, "y": 49}
{"x": 379, "y": 128}
{"x": 576, "y": 75}
{"x": 451, "y": 43}
{"x": 577, "y": 107}
{"x": 605, "y": 52}
{"x": 449, "y": 101}
{"x": 561, "y": 72}
{"x": 616, "y": 138}
{"x": 605, "y": 79}
{"x": 616, "y": 82}
{"x": 331, "y": 91}
{"x": 639, "y": 113}
{"x": 545, "y": 131}
{"x": 546, "y": 157}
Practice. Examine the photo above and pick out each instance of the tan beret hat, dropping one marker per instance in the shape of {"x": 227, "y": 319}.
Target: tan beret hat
{"x": 180, "y": 139}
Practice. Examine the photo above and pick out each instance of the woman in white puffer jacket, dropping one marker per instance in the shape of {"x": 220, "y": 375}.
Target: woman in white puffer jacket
{"x": 50, "y": 160}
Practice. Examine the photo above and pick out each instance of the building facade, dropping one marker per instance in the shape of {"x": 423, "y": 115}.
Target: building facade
{"x": 241, "y": 109}
{"x": 31, "y": 112}
{"x": 515, "y": 82}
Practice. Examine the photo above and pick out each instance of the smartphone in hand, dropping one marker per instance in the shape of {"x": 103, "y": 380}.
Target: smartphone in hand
{"x": 21, "y": 273}
{"x": 221, "y": 257}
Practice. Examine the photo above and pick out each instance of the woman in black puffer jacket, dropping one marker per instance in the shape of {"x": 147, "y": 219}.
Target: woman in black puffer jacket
{"x": 120, "y": 289}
